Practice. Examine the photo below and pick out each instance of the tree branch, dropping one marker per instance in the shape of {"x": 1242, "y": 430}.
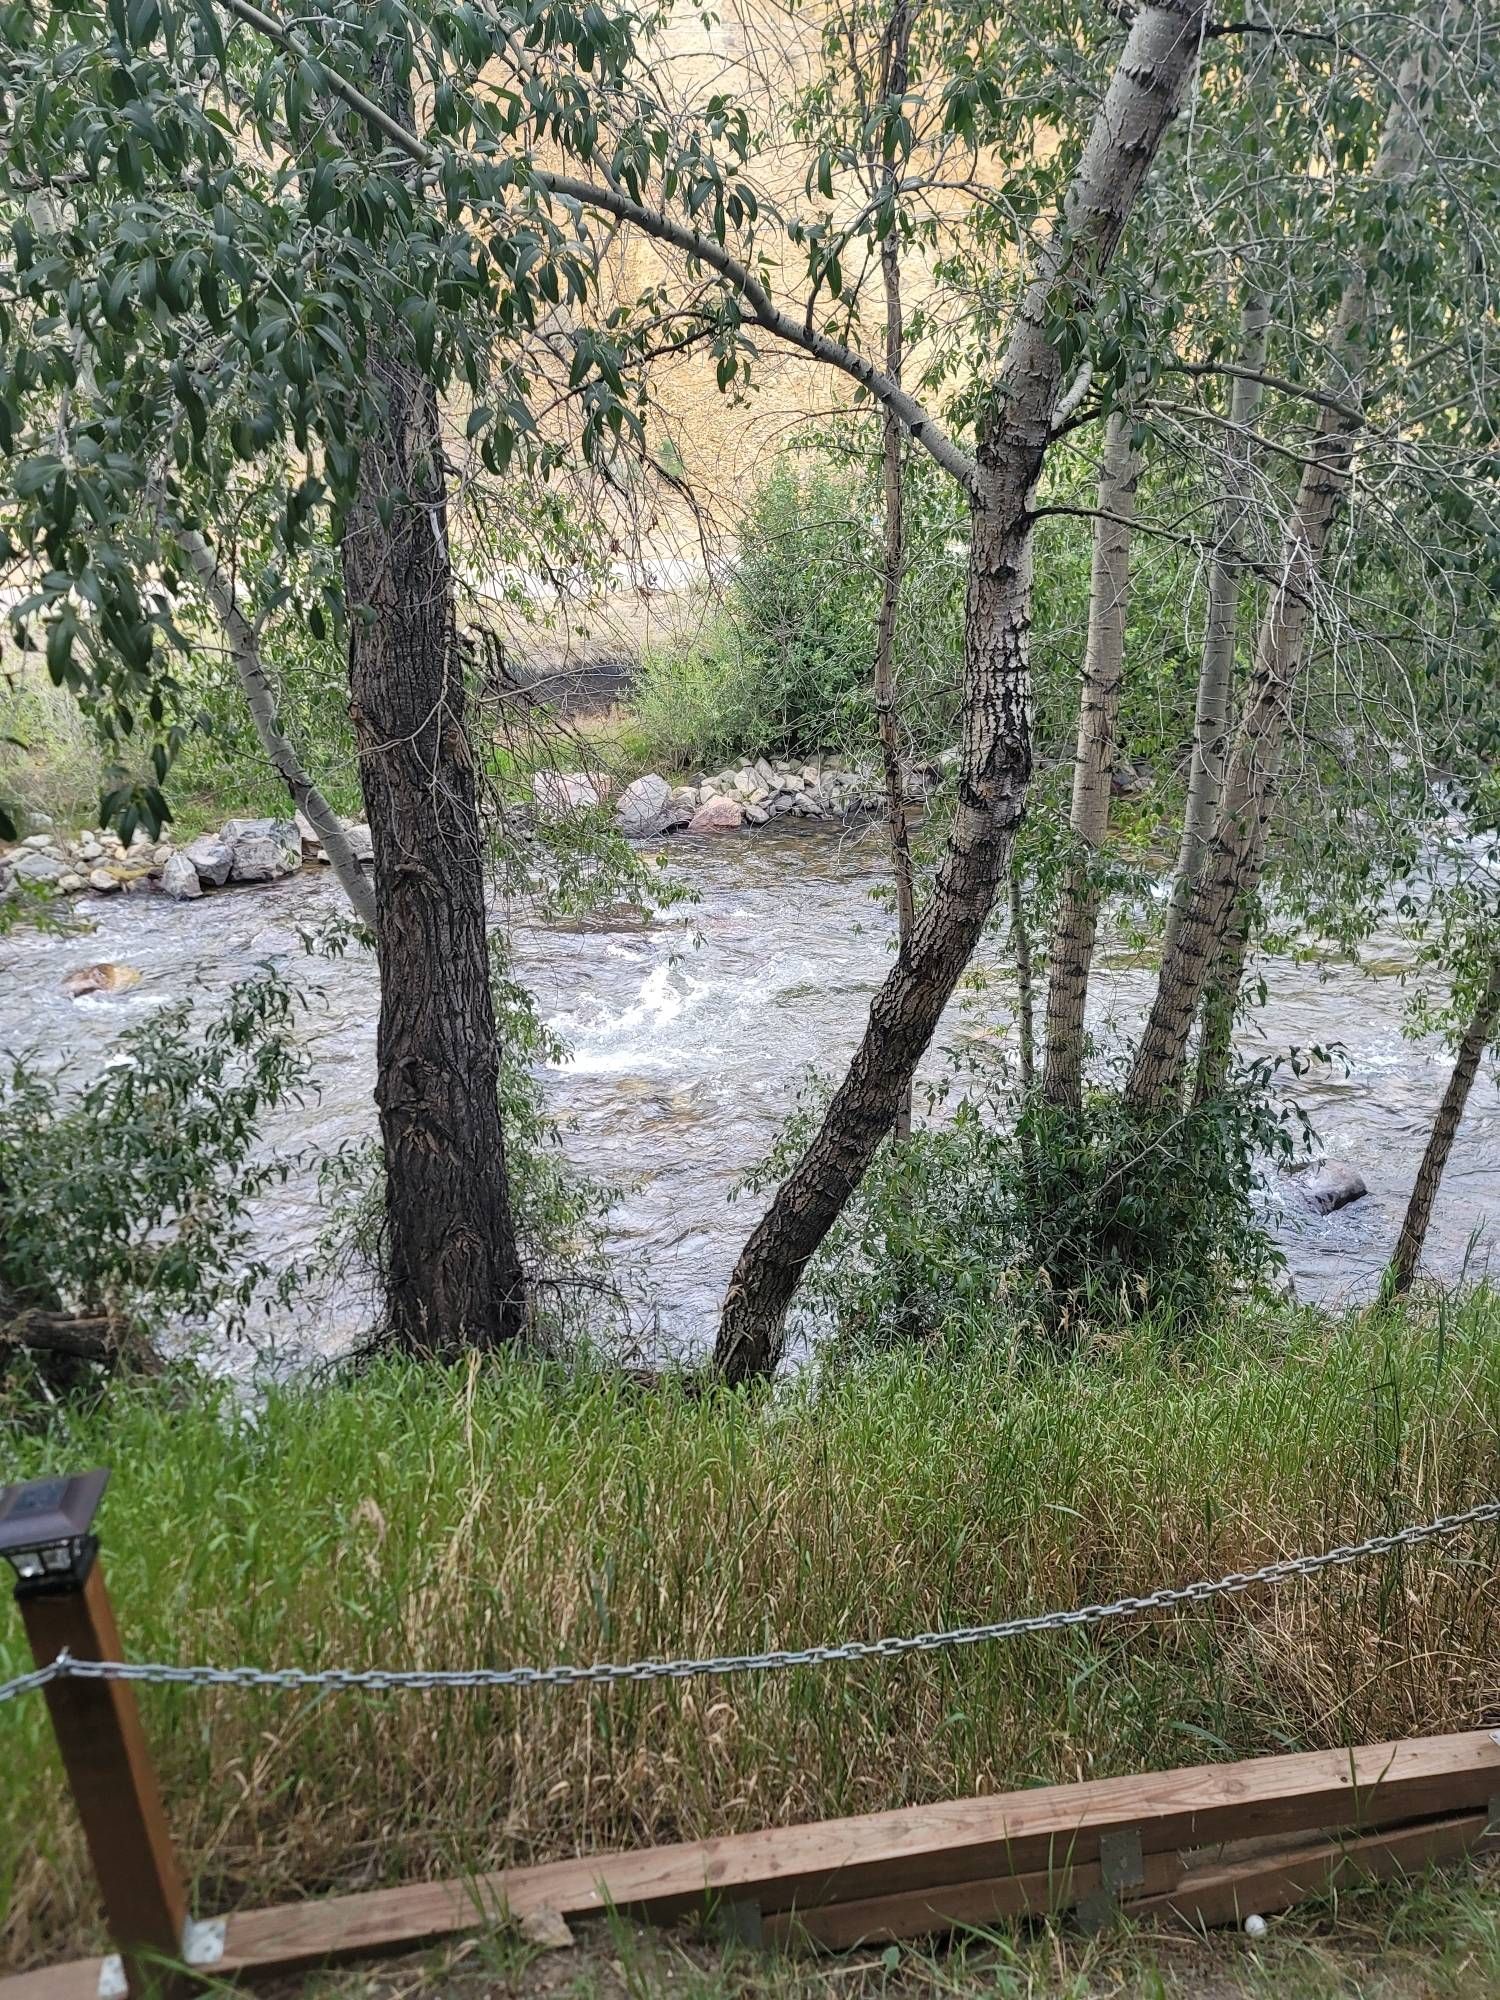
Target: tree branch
{"x": 919, "y": 424}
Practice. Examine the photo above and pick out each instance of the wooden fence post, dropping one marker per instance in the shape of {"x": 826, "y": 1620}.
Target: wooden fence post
{"x": 64, "y": 1606}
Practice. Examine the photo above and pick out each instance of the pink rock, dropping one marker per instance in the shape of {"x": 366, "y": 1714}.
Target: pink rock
{"x": 718, "y": 816}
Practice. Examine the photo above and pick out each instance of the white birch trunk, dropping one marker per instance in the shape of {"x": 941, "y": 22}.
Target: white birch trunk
{"x": 1234, "y": 859}
{"x": 1148, "y": 84}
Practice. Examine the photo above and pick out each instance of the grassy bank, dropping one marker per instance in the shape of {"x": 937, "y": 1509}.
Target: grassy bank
{"x": 516, "y": 1514}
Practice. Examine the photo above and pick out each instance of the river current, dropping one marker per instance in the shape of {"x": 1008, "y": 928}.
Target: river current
{"x": 688, "y": 1035}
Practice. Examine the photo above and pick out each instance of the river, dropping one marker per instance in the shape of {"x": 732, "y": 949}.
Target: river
{"x": 688, "y": 1033}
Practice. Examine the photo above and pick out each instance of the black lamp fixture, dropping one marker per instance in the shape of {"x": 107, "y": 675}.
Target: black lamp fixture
{"x": 45, "y": 1531}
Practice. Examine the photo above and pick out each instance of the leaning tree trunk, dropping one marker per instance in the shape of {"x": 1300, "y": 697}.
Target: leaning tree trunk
{"x": 260, "y": 699}
{"x": 1142, "y": 97}
{"x": 1226, "y": 572}
{"x": 1093, "y": 765}
{"x": 454, "y": 1276}
{"x": 893, "y": 551}
{"x": 1477, "y": 1037}
{"x": 1235, "y": 859}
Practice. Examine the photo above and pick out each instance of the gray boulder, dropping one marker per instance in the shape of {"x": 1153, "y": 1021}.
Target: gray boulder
{"x": 679, "y": 809}
{"x": 560, "y": 794}
{"x": 642, "y": 806}
{"x": 212, "y": 859}
{"x": 33, "y": 865}
{"x": 1330, "y": 1185}
{"x": 179, "y": 880}
{"x": 262, "y": 850}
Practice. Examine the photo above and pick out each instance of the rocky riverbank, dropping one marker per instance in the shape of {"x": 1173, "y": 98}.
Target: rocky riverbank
{"x": 743, "y": 796}
{"x": 746, "y": 795}
{"x": 97, "y": 862}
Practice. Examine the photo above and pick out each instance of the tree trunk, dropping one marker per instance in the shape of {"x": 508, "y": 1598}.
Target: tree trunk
{"x": 260, "y": 698}
{"x": 1235, "y": 858}
{"x": 454, "y": 1276}
{"x": 1093, "y": 765}
{"x": 893, "y": 549}
{"x": 1216, "y": 670}
{"x": 1139, "y": 104}
{"x": 1477, "y": 1037}
{"x": 1020, "y": 944}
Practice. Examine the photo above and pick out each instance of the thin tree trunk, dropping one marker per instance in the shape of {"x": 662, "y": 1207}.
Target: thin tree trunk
{"x": 1093, "y": 765}
{"x": 1220, "y": 1003}
{"x": 893, "y": 550}
{"x": 1235, "y": 858}
{"x": 454, "y": 1276}
{"x": 1020, "y": 944}
{"x": 260, "y": 699}
{"x": 1143, "y": 95}
{"x": 1477, "y": 1037}
{"x": 1225, "y": 576}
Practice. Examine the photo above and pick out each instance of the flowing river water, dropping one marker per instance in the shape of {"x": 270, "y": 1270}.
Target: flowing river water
{"x": 688, "y": 1035}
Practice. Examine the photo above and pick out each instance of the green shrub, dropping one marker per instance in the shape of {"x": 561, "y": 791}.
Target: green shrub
{"x": 131, "y": 1197}
{"x": 787, "y": 666}
{"x": 1019, "y": 1222}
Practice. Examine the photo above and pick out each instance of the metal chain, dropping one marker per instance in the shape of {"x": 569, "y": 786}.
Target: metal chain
{"x": 606, "y": 1674}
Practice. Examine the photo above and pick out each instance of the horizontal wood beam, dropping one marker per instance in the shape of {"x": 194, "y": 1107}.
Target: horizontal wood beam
{"x": 1049, "y": 1835}
{"x": 1200, "y": 1895}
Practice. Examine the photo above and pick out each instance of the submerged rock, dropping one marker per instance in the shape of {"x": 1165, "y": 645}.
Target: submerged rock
{"x": 1330, "y": 1185}
{"x": 104, "y": 977}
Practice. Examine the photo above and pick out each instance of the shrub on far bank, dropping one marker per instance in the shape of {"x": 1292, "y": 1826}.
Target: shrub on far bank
{"x": 785, "y": 667}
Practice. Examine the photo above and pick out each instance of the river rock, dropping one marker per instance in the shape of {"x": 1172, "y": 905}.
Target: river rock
{"x": 212, "y": 859}
{"x": 101, "y": 978}
{"x": 261, "y": 850}
{"x": 756, "y": 815}
{"x": 1330, "y": 1185}
{"x": 103, "y": 881}
{"x": 720, "y": 815}
{"x": 679, "y": 809}
{"x": 34, "y": 865}
{"x": 642, "y": 805}
{"x": 179, "y": 879}
{"x": 560, "y": 794}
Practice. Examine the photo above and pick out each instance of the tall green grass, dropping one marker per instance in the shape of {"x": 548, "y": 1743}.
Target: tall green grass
{"x": 515, "y": 1513}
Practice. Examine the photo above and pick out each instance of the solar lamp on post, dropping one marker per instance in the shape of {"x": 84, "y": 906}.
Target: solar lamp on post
{"x": 46, "y": 1536}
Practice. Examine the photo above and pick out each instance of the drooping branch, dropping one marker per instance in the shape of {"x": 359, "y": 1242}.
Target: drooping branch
{"x": 260, "y": 699}
{"x": 607, "y": 198}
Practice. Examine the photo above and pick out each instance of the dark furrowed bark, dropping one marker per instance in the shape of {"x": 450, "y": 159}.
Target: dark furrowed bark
{"x": 996, "y": 751}
{"x": 454, "y": 1276}
{"x": 1477, "y": 1037}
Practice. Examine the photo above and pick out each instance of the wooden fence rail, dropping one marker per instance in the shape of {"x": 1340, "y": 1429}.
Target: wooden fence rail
{"x": 1207, "y": 1845}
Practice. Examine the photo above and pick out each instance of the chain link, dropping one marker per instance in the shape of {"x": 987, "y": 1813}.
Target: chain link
{"x": 607, "y": 1674}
